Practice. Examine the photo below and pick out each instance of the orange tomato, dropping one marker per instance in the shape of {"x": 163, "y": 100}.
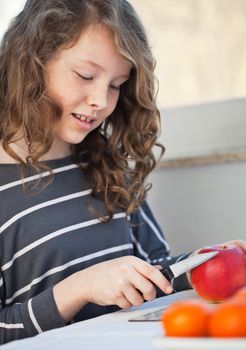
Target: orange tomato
{"x": 228, "y": 319}
{"x": 187, "y": 318}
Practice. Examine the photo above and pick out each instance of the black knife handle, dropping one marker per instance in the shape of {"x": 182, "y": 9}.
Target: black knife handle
{"x": 167, "y": 272}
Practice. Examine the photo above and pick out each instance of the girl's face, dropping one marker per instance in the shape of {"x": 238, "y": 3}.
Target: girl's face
{"x": 85, "y": 80}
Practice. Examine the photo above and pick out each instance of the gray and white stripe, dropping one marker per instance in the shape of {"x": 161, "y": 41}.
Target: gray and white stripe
{"x": 140, "y": 249}
{"x": 53, "y": 235}
{"x": 36, "y": 177}
{"x": 41, "y": 206}
{"x": 11, "y": 325}
{"x": 33, "y": 318}
{"x": 154, "y": 229}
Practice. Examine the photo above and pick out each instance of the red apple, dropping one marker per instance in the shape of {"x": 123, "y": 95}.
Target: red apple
{"x": 220, "y": 277}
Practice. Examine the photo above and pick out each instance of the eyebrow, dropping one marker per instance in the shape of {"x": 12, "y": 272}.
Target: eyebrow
{"x": 94, "y": 64}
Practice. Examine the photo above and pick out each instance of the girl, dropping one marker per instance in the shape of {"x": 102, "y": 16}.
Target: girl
{"x": 78, "y": 124}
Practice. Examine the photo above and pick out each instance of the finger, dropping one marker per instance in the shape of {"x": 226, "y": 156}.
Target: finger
{"x": 141, "y": 283}
{"x": 154, "y": 275}
{"x": 189, "y": 278}
{"x": 158, "y": 267}
{"x": 133, "y": 296}
{"x": 123, "y": 303}
{"x": 239, "y": 242}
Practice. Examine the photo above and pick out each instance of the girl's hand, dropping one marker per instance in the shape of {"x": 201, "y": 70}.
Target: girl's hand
{"x": 239, "y": 242}
{"x": 124, "y": 281}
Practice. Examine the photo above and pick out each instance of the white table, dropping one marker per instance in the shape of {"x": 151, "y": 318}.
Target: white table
{"x": 109, "y": 332}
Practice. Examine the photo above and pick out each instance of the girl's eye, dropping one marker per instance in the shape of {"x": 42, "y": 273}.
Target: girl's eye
{"x": 115, "y": 87}
{"x": 88, "y": 78}
{"x": 84, "y": 77}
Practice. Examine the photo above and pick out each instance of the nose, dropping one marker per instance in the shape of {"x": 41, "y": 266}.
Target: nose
{"x": 97, "y": 97}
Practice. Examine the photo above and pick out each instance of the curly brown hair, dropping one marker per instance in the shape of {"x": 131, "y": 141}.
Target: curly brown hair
{"x": 119, "y": 154}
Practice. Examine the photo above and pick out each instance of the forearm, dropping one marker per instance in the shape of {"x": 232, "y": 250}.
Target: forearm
{"x": 70, "y": 295}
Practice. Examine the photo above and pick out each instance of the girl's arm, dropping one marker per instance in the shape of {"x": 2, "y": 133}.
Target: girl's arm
{"x": 30, "y": 318}
{"x": 123, "y": 281}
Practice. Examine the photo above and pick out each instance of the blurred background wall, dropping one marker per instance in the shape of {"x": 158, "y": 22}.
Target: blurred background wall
{"x": 199, "y": 48}
{"x": 199, "y": 190}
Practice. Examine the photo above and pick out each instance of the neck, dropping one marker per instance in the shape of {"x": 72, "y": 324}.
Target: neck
{"x": 57, "y": 150}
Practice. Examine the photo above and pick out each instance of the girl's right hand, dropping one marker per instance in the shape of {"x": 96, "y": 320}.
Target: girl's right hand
{"x": 125, "y": 281}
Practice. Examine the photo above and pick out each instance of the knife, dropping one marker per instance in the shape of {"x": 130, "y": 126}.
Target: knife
{"x": 177, "y": 269}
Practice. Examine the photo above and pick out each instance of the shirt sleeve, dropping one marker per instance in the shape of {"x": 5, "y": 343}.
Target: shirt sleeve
{"x": 150, "y": 243}
{"x": 29, "y": 318}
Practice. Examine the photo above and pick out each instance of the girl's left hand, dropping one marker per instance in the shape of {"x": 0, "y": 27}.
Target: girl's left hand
{"x": 239, "y": 242}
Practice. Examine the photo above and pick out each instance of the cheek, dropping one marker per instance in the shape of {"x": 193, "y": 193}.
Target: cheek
{"x": 113, "y": 100}
{"x": 63, "y": 91}
{"x": 66, "y": 97}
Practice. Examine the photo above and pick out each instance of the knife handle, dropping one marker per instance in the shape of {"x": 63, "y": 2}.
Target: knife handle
{"x": 167, "y": 272}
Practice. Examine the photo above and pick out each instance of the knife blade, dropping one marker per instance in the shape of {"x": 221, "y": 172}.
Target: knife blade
{"x": 177, "y": 269}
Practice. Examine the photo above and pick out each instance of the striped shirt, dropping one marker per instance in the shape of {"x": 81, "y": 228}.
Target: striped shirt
{"x": 49, "y": 235}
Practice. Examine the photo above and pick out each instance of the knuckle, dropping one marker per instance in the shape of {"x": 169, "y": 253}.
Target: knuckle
{"x": 125, "y": 267}
{"x": 118, "y": 293}
{"x": 152, "y": 272}
{"x": 150, "y": 293}
{"x": 149, "y": 290}
{"x": 138, "y": 301}
{"x": 120, "y": 286}
{"x": 124, "y": 304}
